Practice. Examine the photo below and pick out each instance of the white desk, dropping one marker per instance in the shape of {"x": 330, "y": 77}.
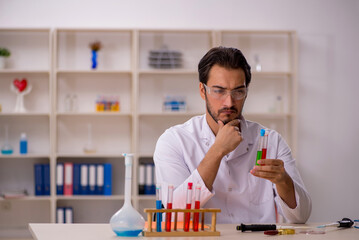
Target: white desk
{"x": 228, "y": 231}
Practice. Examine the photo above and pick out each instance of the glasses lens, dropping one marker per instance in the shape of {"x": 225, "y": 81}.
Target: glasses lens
{"x": 221, "y": 94}
{"x": 239, "y": 94}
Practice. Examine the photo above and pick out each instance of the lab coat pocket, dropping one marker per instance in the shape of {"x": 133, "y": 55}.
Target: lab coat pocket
{"x": 260, "y": 190}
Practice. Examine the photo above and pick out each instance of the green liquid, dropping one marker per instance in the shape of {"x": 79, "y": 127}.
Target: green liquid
{"x": 259, "y": 156}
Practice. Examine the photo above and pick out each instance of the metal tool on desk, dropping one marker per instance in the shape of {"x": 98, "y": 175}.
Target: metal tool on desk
{"x": 344, "y": 223}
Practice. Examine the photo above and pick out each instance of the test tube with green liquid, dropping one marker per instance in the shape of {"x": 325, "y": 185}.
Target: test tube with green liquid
{"x": 260, "y": 146}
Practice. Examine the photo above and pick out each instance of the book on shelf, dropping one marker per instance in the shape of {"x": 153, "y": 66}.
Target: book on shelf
{"x": 64, "y": 215}
{"x": 60, "y": 179}
{"x": 68, "y": 180}
{"x": 150, "y": 188}
{"x": 77, "y": 181}
{"x": 42, "y": 179}
{"x": 84, "y": 179}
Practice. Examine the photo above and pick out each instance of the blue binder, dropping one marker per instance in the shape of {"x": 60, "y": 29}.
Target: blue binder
{"x": 76, "y": 179}
{"x": 60, "y": 179}
{"x": 68, "y": 215}
{"x": 38, "y": 169}
{"x": 107, "y": 179}
{"x": 46, "y": 179}
{"x": 84, "y": 179}
{"x": 100, "y": 177}
{"x": 92, "y": 179}
{"x": 150, "y": 187}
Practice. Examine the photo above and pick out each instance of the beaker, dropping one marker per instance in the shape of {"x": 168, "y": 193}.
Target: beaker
{"x": 127, "y": 222}
{"x": 6, "y": 148}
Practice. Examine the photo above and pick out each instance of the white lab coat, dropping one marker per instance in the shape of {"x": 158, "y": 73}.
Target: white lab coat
{"x": 242, "y": 197}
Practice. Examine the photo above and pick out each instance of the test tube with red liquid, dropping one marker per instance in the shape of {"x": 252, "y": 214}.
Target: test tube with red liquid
{"x": 187, "y": 216}
{"x": 265, "y": 143}
{"x": 169, "y": 206}
{"x": 197, "y": 205}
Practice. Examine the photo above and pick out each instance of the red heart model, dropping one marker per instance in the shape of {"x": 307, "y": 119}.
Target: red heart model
{"x": 20, "y": 85}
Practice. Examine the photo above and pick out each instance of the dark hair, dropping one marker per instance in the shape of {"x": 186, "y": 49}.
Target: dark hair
{"x": 231, "y": 58}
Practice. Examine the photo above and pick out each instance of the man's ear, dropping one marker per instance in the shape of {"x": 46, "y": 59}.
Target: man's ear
{"x": 202, "y": 91}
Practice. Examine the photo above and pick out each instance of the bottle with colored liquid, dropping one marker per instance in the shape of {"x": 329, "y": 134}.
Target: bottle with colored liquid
{"x": 23, "y": 143}
{"x": 127, "y": 222}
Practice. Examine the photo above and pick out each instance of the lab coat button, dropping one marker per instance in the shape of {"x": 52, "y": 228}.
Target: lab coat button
{"x": 207, "y": 144}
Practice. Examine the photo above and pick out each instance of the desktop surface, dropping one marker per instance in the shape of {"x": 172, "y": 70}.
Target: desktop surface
{"x": 228, "y": 231}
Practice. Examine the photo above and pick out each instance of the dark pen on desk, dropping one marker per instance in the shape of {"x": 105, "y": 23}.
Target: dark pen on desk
{"x": 256, "y": 227}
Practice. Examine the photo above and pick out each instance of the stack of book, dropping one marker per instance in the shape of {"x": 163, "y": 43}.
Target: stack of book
{"x": 83, "y": 179}
{"x": 64, "y": 215}
{"x": 42, "y": 179}
{"x": 146, "y": 182}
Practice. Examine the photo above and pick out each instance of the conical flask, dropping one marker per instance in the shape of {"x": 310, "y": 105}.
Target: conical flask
{"x": 127, "y": 222}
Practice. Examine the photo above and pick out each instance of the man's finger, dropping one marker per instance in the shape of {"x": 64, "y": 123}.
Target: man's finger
{"x": 275, "y": 162}
{"x": 220, "y": 124}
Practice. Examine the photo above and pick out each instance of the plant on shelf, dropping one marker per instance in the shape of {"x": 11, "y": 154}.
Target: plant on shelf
{"x": 4, "y": 53}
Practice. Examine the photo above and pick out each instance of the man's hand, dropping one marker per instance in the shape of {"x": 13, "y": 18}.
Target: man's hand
{"x": 274, "y": 171}
{"x": 228, "y": 136}
{"x": 227, "y": 139}
{"x": 271, "y": 169}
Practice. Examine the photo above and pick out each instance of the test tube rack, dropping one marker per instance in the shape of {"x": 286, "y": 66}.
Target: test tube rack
{"x": 175, "y": 232}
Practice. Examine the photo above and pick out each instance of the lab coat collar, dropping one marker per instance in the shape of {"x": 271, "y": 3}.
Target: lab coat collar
{"x": 248, "y": 139}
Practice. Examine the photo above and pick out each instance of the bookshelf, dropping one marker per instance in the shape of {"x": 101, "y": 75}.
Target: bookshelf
{"x": 62, "y": 66}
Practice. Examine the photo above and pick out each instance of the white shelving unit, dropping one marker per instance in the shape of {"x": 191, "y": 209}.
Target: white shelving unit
{"x": 62, "y": 66}
{"x": 276, "y": 53}
{"x": 30, "y": 59}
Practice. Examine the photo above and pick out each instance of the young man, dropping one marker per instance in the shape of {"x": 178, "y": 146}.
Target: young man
{"x": 218, "y": 151}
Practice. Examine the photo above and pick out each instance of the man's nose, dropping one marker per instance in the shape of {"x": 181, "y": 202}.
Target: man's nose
{"x": 228, "y": 100}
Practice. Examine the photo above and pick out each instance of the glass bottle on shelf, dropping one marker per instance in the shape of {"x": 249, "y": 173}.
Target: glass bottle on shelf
{"x": 258, "y": 65}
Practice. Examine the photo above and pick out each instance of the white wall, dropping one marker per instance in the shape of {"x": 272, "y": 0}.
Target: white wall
{"x": 328, "y": 34}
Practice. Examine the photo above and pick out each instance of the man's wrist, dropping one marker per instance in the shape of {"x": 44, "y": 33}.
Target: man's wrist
{"x": 217, "y": 151}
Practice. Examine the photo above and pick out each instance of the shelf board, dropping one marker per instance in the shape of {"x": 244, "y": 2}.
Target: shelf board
{"x": 85, "y": 71}
{"x": 27, "y": 198}
{"x": 27, "y": 114}
{"x": 146, "y": 197}
{"x": 89, "y": 155}
{"x": 145, "y": 155}
{"x": 164, "y": 114}
{"x": 168, "y": 71}
{"x": 25, "y": 156}
{"x": 271, "y": 74}
{"x": 96, "y": 114}
{"x": 267, "y": 115}
{"x": 258, "y": 31}
{"x": 24, "y": 71}
{"x": 91, "y": 197}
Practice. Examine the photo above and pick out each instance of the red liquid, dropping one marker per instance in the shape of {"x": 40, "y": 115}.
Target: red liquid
{"x": 264, "y": 154}
{"x": 187, "y": 217}
{"x": 168, "y": 218}
{"x": 196, "y": 216}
